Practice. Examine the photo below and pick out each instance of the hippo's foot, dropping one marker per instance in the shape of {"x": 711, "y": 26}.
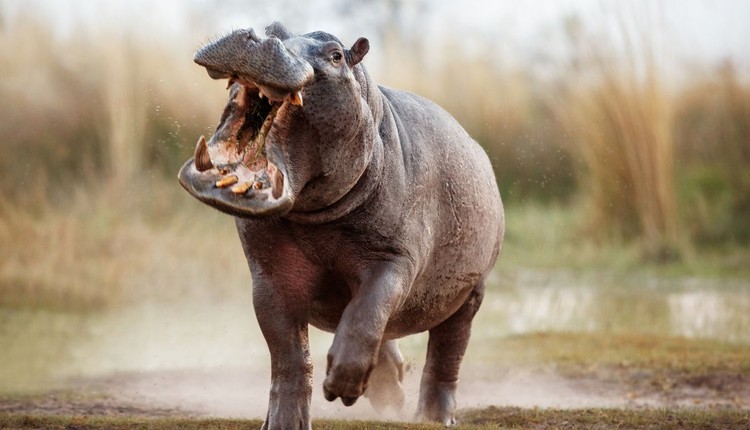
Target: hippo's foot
{"x": 347, "y": 380}
{"x": 445, "y": 349}
{"x": 359, "y": 335}
{"x": 384, "y": 386}
{"x": 289, "y": 403}
{"x": 288, "y": 415}
{"x": 437, "y": 402}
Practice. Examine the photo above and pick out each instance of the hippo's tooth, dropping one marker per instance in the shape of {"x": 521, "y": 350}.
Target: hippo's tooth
{"x": 240, "y": 97}
{"x": 260, "y": 94}
{"x": 227, "y": 181}
{"x": 296, "y": 98}
{"x": 241, "y": 188}
{"x": 201, "y": 157}
{"x": 230, "y": 82}
{"x": 277, "y": 180}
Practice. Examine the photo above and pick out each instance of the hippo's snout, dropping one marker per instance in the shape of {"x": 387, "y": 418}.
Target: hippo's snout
{"x": 242, "y": 55}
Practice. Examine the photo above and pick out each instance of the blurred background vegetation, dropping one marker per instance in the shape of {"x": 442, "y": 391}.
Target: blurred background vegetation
{"x": 612, "y": 152}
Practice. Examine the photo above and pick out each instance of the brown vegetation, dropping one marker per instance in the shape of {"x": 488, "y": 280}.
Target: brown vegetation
{"x": 95, "y": 123}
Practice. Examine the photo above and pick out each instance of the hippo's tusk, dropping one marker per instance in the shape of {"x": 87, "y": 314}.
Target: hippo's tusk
{"x": 296, "y": 98}
{"x": 202, "y": 159}
{"x": 227, "y": 181}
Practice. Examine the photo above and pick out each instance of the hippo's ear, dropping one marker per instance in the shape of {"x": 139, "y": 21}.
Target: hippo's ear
{"x": 278, "y": 30}
{"x": 357, "y": 51}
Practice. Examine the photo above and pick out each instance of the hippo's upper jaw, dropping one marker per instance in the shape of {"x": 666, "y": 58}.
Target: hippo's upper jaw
{"x": 266, "y": 63}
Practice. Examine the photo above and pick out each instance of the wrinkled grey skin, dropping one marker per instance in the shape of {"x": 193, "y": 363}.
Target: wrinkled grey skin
{"x": 391, "y": 221}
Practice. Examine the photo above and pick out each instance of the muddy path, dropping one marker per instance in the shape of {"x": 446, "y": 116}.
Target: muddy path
{"x": 242, "y": 393}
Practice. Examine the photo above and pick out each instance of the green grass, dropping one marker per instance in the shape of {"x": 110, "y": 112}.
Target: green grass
{"x": 551, "y": 237}
{"x": 489, "y": 418}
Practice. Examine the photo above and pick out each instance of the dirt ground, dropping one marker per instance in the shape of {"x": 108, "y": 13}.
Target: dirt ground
{"x": 242, "y": 393}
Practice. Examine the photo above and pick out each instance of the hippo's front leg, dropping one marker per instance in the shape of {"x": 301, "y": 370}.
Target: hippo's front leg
{"x": 285, "y": 329}
{"x": 360, "y": 330}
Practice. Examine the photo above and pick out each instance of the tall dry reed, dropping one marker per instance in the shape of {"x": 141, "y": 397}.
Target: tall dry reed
{"x": 619, "y": 116}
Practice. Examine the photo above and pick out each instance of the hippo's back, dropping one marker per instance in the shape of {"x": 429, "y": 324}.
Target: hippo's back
{"x": 460, "y": 210}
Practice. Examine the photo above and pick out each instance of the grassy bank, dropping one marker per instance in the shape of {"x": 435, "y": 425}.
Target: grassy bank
{"x": 646, "y": 368}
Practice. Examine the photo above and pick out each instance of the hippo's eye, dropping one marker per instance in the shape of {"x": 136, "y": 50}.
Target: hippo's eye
{"x": 337, "y": 57}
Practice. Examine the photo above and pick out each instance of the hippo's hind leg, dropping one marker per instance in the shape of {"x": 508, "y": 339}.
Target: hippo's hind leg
{"x": 384, "y": 387}
{"x": 445, "y": 350}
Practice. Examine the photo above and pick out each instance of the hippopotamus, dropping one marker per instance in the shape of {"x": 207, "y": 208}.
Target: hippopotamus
{"x": 362, "y": 210}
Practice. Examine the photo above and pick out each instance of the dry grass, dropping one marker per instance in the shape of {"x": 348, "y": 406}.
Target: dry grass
{"x": 117, "y": 246}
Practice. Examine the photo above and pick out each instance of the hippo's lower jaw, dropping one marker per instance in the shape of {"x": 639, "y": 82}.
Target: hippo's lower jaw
{"x": 262, "y": 201}
{"x": 232, "y": 172}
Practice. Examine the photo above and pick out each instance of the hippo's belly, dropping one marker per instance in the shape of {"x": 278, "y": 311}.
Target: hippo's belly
{"x": 421, "y": 311}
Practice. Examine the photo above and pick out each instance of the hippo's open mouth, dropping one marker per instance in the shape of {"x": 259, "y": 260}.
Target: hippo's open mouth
{"x": 237, "y": 171}
{"x": 232, "y": 171}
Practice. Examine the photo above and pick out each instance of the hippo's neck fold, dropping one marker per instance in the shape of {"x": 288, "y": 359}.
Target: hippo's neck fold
{"x": 366, "y": 184}
{"x": 357, "y": 195}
